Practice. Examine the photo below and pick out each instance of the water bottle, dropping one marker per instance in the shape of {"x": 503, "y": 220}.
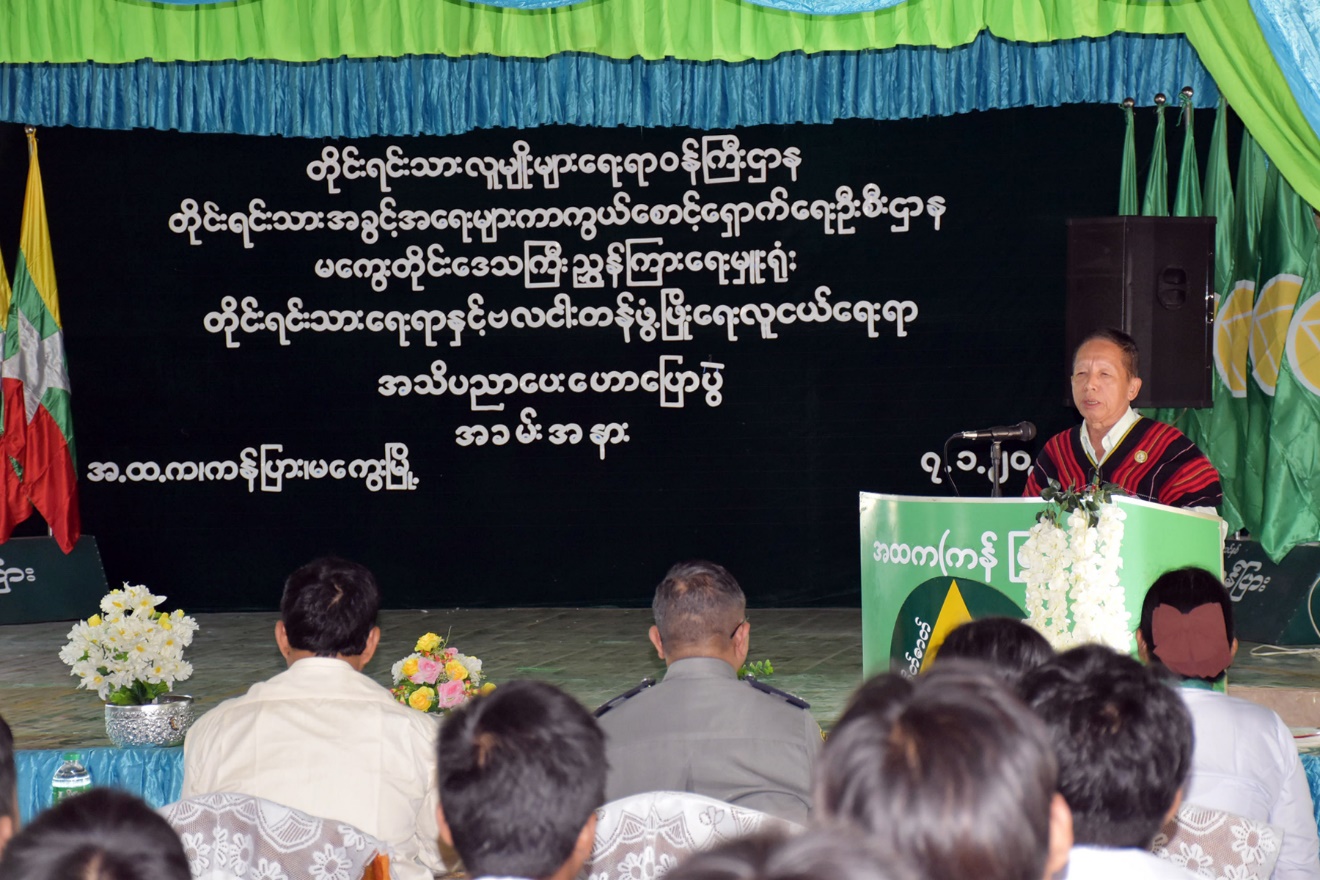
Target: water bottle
{"x": 70, "y": 779}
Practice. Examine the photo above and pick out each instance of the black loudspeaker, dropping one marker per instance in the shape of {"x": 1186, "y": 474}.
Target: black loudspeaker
{"x": 1152, "y": 277}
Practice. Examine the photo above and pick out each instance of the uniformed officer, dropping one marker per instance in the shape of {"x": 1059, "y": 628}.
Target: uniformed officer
{"x": 701, "y": 729}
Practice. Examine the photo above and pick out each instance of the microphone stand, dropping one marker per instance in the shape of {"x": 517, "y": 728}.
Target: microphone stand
{"x": 996, "y": 453}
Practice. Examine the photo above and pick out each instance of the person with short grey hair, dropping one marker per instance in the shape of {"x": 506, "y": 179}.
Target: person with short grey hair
{"x": 701, "y": 729}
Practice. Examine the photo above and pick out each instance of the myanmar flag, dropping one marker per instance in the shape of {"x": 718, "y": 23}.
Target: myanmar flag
{"x": 14, "y": 505}
{"x": 38, "y": 427}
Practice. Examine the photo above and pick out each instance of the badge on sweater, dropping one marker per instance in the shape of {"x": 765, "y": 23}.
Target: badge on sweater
{"x": 1141, "y": 456}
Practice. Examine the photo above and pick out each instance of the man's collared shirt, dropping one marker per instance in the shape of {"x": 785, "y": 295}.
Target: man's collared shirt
{"x": 325, "y": 739}
{"x": 1111, "y": 438}
{"x": 702, "y": 730}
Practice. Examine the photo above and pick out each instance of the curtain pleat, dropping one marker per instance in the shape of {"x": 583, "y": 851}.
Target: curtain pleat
{"x": 303, "y": 31}
{"x": 348, "y": 97}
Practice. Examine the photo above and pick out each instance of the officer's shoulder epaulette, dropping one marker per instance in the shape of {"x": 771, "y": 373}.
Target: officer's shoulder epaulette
{"x": 624, "y": 697}
{"x": 791, "y": 699}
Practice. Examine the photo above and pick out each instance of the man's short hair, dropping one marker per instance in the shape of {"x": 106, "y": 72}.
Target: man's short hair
{"x": 1123, "y": 739}
{"x": 103, "y": 834}
{"x": 8, "y": 774}
{"x": 521, "y": 770}
{"x": 1008, "y": 646}
{"x": 951, "y": 770}
{"x": 1185, "y": 589}
{"x": 329, "y": 607}
{"x": 1128, "y": 345}
{"x": 696, "y": 603}
{"x": 836, "y": 853}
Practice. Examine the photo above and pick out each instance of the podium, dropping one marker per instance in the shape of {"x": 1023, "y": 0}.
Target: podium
{"x": 929, "y": 564}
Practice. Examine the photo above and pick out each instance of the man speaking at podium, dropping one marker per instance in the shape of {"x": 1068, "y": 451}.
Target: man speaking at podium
{"x": 1148, "y": 459}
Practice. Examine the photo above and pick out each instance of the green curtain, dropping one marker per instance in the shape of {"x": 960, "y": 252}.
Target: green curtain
{"x": 1231, "y": 46}
{"x": 117, "y": 31}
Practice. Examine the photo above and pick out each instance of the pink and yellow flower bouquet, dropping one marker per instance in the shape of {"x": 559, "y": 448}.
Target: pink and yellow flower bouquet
{"x": 435, "y": 678}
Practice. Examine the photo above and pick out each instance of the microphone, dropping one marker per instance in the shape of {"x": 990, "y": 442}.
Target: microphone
{"x": 1020, "y": 431}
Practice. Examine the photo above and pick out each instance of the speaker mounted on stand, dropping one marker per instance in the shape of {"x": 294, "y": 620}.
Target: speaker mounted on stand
{"x": 1153, "y": 278}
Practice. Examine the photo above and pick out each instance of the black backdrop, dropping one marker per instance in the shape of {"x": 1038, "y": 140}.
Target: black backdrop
{"x": 765, "y": 482}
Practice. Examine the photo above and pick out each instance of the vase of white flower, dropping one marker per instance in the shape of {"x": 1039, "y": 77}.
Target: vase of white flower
{"x": 131, "y": 655}
{"x": 163, "y": 722}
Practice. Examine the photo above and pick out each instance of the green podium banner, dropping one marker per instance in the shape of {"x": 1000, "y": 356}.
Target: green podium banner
{"x": 929, "y": 564}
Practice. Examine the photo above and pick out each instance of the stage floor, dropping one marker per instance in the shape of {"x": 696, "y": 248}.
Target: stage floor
{"x": 593, "y": 653}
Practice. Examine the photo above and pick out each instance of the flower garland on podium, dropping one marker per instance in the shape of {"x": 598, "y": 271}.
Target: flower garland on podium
{"x": 1071, "y": 562}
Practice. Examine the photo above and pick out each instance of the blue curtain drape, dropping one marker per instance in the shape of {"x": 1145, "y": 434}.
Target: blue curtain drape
{"x": 349, "y": 97}
{"x": 1292, "y": 31}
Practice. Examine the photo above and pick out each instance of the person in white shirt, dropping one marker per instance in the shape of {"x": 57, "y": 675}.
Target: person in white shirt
{"x": 322, "y": 737}
{"x": 1124, "y": 745}
{"x": 522, "y": 771}
{"x": 1245, "y": 760}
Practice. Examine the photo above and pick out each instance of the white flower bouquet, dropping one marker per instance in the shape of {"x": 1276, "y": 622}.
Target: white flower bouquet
{"x": 1071, "y": 562}
{"x": 130, "y": 653}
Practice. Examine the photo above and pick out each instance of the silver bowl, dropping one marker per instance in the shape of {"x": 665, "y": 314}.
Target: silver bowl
{"x": 161, "y": 723}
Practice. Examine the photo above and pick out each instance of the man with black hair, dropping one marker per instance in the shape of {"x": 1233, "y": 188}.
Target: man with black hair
{"x": 8, "y": 786}
{"x": 950, "y": 771}
{"x": 835, "y": 853}
{"x": 1245, "y": 760}
{"x": 522, "y": 771}
{"x": 102, "y": 834}
{"x": 1008, "y": 646}
{"x": 322, "y": 737}
{"x": 701, "y": 729}
{"x": 1123, "y": 740}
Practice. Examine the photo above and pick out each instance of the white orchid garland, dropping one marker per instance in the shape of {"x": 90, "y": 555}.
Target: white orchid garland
{"x": 1070, "y": 563}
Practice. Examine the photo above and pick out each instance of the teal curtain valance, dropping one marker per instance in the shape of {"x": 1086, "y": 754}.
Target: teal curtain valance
{"x": 348, "y": 97}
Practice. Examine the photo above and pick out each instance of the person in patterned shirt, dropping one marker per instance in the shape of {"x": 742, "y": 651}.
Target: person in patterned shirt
{"x": 1115, "y": 444}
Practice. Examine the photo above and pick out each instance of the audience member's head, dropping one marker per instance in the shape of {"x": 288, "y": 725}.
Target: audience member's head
{"x": 329, "y": 610}
{"x": 1123, "y": 739}
{"x": 700, "y": 611}
{"x": 1187, "y": 625}
{"x": 950, "y": 770}
{"x": 1010, "y": 647}
{"x": 101, "y": 835}
{"x": 8, "y": 786}
{"x": 833, "y": 853}
{"x": 522, "y": 771}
